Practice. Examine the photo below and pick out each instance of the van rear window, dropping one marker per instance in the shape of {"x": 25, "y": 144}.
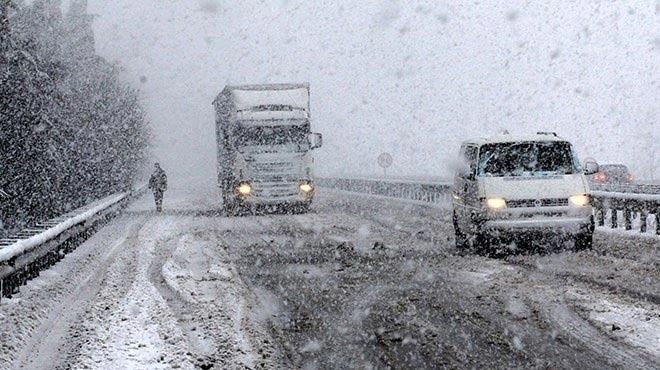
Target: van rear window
{"x": 527, "y": 159}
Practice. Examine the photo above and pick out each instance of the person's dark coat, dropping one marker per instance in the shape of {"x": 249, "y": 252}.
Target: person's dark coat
{"x": 158, "y": 181}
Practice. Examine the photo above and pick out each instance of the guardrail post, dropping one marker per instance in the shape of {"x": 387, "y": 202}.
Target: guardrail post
{"x": 642, "y": 222}
{"x": 600, "y": 216}
{"x": 614, "y": 218}
{"x": 627, "y": 218}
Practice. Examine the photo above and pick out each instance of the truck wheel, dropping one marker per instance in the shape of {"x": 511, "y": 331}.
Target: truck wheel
{"x": 231, "y": 208}
{"x": 584, "y": 241}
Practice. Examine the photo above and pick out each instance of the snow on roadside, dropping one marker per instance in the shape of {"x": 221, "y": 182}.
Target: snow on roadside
{"x": 24, "y": 314}
{"x": 200, "y": 272}
{"x": 133, "y": 337}
{"x": 635, "y": 324}
{"x": 139, "y": 331}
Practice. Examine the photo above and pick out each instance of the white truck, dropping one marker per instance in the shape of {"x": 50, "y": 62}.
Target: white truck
{"x": 264, "y": 143}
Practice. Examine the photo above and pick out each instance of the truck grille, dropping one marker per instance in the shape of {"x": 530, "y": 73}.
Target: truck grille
{"x": 273, "y": 167}
{"x": 549, "y": 202}
{"x": 275, "y": 189}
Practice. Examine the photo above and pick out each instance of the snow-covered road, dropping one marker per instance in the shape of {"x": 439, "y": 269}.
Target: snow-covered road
{"x": 361, "y": 282}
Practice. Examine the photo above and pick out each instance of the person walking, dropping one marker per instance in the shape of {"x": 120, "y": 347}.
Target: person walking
{"x": 158, "y": 184}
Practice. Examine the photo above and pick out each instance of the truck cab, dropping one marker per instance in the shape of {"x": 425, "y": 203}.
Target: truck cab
{"x": 265, "y": 147}
{"x": 517, "y": 186}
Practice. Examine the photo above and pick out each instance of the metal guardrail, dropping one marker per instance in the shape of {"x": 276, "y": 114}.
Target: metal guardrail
{"x": 25, "y": 254}
{"x": 632, "y": 205}
{"x": 635, "y": 201}
{"x": 431, "y": 192}
{"x": 627, "y": 188}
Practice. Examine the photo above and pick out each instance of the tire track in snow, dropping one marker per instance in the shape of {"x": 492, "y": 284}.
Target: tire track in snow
{"x": 206, "y": 295}
{"x": 564, "y": 319}
{"x": 628, "y": 269}
{"x": 530, "y": 334}
{"x": 43, "y": 349}
{"x": 130, "y": 327}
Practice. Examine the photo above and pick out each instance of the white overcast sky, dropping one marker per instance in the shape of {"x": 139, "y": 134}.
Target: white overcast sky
{"x": 413, "y": 78}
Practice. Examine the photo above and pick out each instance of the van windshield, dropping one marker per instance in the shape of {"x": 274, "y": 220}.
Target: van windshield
{"x": 527, "y": 159}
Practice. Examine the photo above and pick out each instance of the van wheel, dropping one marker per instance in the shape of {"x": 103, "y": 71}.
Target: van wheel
{"x": 584, "y": 241}
{"x": 461, "y": 239}
{"x": 482, "y": 243}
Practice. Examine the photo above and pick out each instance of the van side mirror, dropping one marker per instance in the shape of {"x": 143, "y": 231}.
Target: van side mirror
{"x": 466, "y": 174}
{"x": 315, "y": 140}
{"x": 591, "y": 168}
{"x": 465, "y": 171}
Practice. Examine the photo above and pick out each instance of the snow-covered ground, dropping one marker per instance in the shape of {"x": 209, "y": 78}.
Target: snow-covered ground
{"x": 360, "y": 282}
{"x": 140, "y": 294}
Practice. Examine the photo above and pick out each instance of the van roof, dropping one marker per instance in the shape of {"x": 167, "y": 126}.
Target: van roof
{"x": 508, "y": 138}
{"x": 275, "y": 86}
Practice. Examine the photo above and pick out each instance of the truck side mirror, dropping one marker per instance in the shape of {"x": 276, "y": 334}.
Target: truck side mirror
{"x": 591, "y": 168}
{"x": 315, "y": 140}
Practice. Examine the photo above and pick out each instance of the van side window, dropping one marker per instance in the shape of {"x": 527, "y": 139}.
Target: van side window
{"x": 471, "y": 154}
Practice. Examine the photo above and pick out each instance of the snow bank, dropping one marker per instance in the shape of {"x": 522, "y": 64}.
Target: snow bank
{"x": 635, "y": 323}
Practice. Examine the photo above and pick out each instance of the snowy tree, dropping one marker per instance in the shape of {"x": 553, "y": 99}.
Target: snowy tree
{"x": 71, "y": 131}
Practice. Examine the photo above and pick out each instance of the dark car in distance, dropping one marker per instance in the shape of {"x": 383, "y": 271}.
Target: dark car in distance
{"x": 613, "y": 174}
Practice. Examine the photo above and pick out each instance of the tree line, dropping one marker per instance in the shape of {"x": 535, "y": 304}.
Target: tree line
{"x": 70, "y": 131}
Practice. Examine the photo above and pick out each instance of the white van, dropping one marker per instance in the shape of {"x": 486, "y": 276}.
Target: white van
{"x": 513, "y": 186}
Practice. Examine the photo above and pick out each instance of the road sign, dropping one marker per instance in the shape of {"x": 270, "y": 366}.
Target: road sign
{"x": 385, "y": 161}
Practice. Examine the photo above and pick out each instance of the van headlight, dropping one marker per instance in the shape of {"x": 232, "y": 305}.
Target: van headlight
{"x": 244, "y": 189}
{"x": 496, "y": 203}
{"x": 579, "y": 200}
{"x": 306, "y": 187}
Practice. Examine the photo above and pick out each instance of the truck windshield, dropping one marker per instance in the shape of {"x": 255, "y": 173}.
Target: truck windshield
{"x": 273, "y": 135}
{"x": 527, "y": 159}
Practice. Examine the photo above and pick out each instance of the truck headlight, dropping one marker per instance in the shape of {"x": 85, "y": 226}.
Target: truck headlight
{"x": 496, "y": 203}
{"x": 244, "y": 189}
{"x": 306, "y": 187}
{"x": 580, "y": 200}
